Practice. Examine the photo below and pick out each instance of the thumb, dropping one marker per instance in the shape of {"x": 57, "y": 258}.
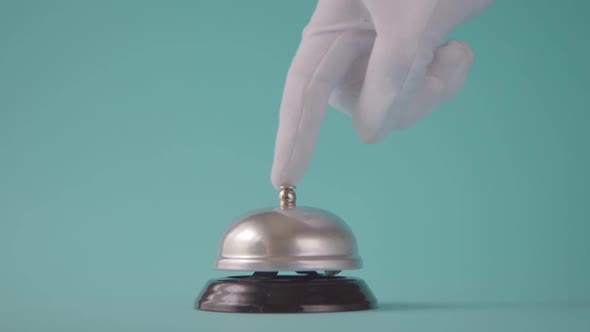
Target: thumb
{"x": 408, "y": 33}
{"x": 395, "y": 69}
{"x": 444, "y": 78}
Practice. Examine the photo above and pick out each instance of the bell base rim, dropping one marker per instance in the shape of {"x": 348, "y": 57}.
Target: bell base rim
{"x": 285, "y": 294}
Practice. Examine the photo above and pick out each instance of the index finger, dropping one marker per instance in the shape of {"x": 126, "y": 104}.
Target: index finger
{"x": 321, "y": 60}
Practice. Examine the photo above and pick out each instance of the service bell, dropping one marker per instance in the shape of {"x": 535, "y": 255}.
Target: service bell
{"x": 311, "y": 244}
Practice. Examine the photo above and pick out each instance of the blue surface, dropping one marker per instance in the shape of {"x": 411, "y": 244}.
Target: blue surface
{"x": 126, "y": 128}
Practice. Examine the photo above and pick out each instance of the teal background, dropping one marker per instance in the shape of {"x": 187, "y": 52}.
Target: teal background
{"x": 133, "y": 132}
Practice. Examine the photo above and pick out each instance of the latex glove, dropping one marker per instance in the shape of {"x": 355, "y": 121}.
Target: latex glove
{"x": 380, "y": 61}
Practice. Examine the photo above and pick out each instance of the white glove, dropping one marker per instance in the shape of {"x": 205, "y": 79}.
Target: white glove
{"x": 379, "y": 61}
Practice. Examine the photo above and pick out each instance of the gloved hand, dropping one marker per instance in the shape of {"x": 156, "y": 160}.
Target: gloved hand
{"x": 380, "y": 61}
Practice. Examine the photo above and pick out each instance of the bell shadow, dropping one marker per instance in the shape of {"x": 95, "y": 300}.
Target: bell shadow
{"x": 483, "y": 305}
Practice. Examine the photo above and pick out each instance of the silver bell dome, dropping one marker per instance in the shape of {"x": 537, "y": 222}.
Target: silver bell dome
{"x": 288, "y": 238}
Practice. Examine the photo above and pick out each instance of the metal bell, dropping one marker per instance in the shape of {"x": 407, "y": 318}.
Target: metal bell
{"x": 303, "y": 240}
{"x": 288, "y": 238}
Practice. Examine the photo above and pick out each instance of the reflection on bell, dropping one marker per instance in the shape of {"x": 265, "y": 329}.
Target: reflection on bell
{"x": 311, "y": 244}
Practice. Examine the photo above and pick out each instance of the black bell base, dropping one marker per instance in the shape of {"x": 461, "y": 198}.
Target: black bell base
{"x": 286, "y": 294}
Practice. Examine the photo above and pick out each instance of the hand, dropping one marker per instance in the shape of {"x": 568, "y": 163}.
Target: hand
{"x": 380, "y": 61}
